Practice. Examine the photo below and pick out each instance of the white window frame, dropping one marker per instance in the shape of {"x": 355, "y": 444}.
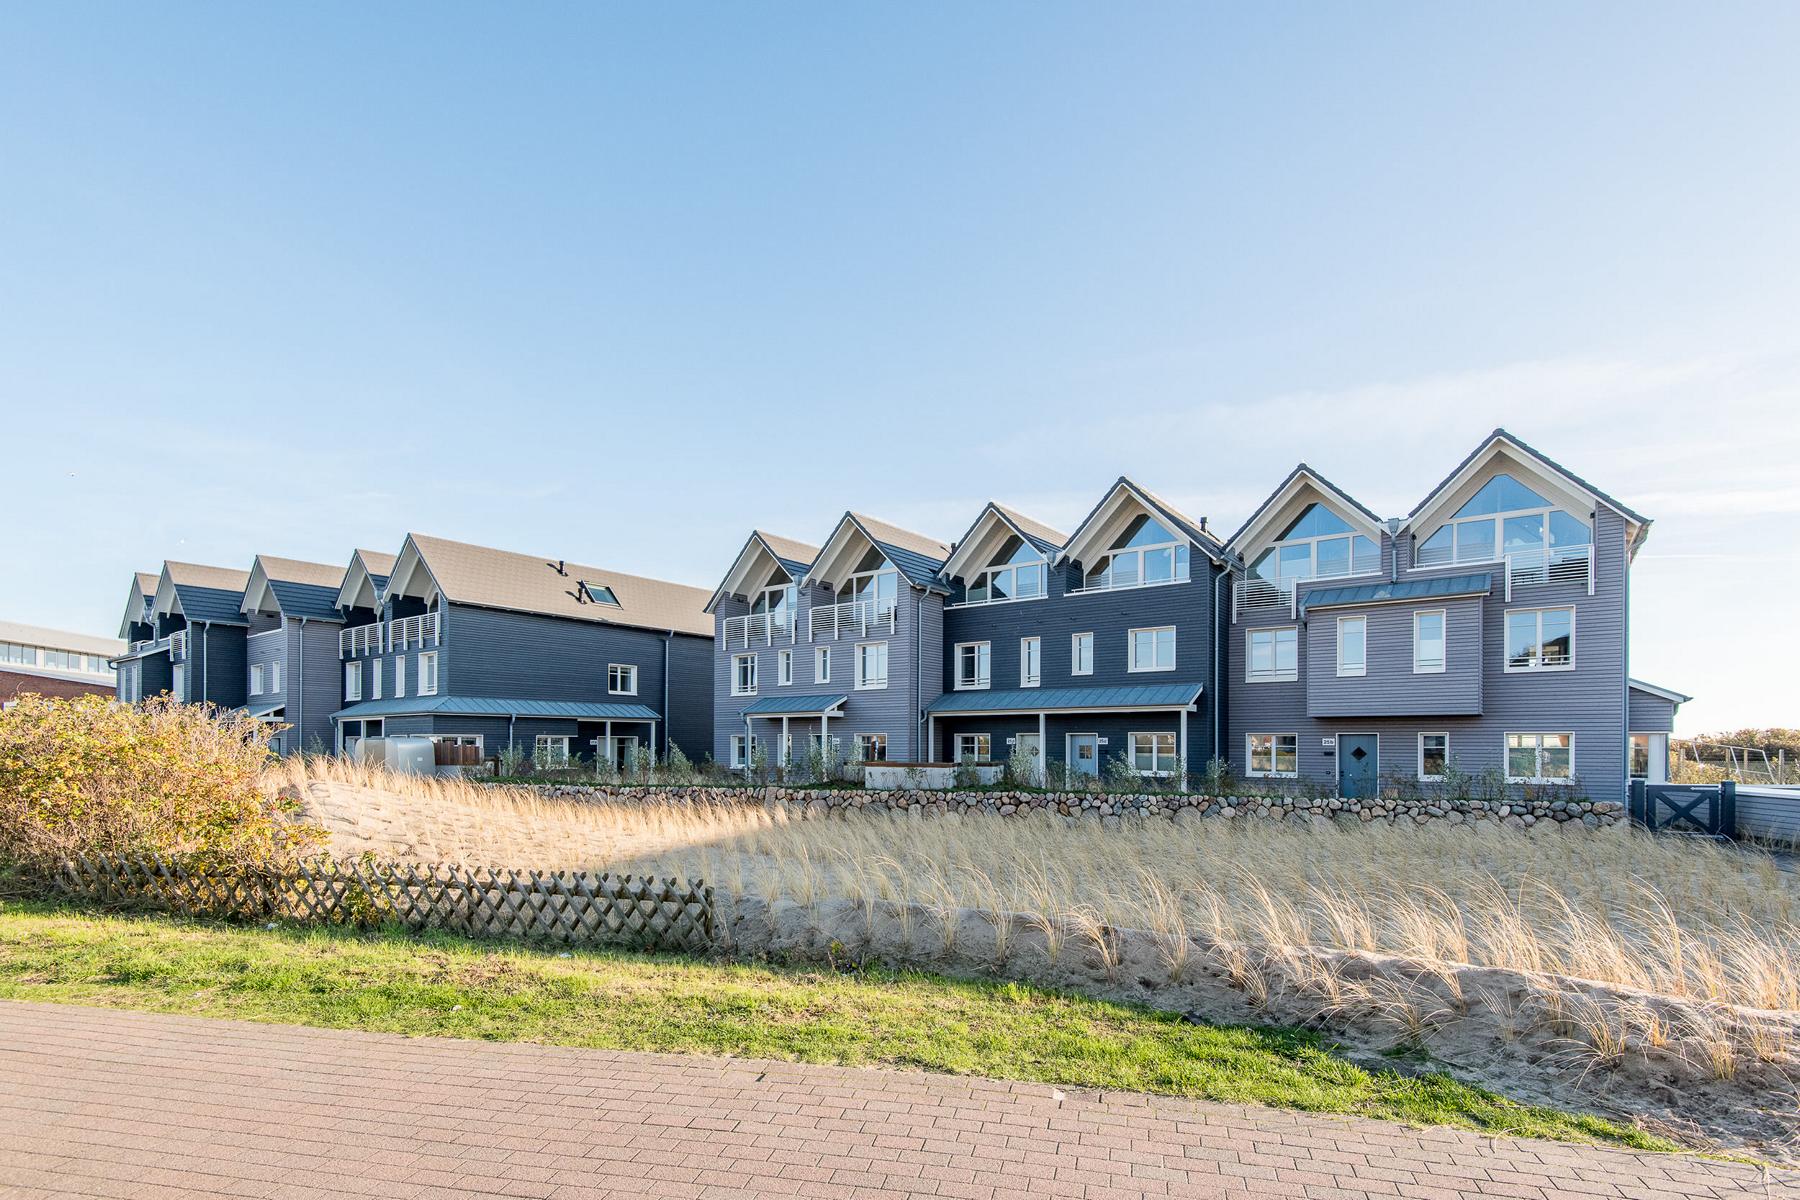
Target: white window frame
{"x": 537, "y": 748}
{"x": 983, "y": 580}
{"x": 1275, "y": 674}
{"x": 864, "y": 741}
{"x": 784, "y": 668}
{"x": 399, "y": 676}
{"x": 738, "y": 685}
{"x": 1031, "y": 662}
{"x": 1132, "y": 666}
{"x": 1539, "y": 777}
{"x": 983, "y": 667}
{"x": 256, "y": 679}
{"x": 1498, "y": 522}
{"x": 979, "y": 753}
{"x": 740, "y": 751}
{"x": 1076, "y": 643}
{"x": 1347, "y": 670}
{"x": 1250, "y": 770}
{"x": 375, "y": 678}
{"x": 1156, "y": 740}
{"x": 353, "y": 681}
{"x": 178, "y": 682}
{"x": 1179, "y": 562}
{"x": 822, "y": 664}
{"x": 428, "y": 672}
{"x": 1537, "y": 668}
{"x": 1421, "y": 666}
{"x": 1438, "y": 733}
{"x": 864, "y": 681}
{"x": 628, "y": 673}
{"x": 275, "y": 677}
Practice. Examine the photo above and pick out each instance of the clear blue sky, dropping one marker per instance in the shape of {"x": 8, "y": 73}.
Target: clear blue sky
{"x": 616, "y": 284}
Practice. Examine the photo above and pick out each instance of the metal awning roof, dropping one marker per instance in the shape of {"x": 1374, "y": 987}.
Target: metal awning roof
{"x": 263, "y": 712}
{"x": 795, "y": 706}
{"x": 1073, "y": 699}
{"x": 1387, "y": 593}
{"x": 488, "y": 706}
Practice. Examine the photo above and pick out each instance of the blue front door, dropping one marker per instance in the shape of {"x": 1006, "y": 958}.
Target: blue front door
{"x": 1357, "y": 767}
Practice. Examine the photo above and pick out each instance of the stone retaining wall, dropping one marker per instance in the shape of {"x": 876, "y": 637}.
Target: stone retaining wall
{"x": 1591, "y": 814}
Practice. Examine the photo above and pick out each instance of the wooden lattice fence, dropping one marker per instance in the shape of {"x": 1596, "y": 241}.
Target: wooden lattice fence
{"x": 572, "y": 907}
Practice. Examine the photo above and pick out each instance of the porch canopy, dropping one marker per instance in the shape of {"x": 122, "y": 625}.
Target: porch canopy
{"x": 796, "y": 706}
{"x": 1442, "y": 587}
{"x": 488, "y": 706}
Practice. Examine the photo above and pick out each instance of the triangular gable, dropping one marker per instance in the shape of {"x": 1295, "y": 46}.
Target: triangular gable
{"x": 138, "y": 601}
{"x": 201, "y": 593}
{"x": 763, "y": 552}
{"x": 916, "y": 557}
{"x": 293, "y": 588}
{"x": 1103, "y": 522}
{"x": 979, "y": 543}
{"x": 1565, "y": 488}
{"x": 365, "y": 579}
{"x": 1288, "y": 501}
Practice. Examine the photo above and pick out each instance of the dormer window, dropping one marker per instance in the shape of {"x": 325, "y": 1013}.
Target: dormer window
{"x": 1318, "y": 544}
{"x": 1016, "y": 572}
{"x": 1145, "y": 553}
{"x": 875, "y": 580}
{"x": 1502, "y": 520}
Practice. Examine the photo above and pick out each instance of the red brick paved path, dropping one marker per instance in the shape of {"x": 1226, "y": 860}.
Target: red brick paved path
{"x": 102, "y": 1103}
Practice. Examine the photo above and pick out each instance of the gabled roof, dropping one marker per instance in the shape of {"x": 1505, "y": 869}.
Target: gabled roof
{"x": 504, "y": 579}
{"x": 1640, "y": 524}
{"x": 138, "y": 601}
{"x": 1203, "y": 540}
{"x": 1651, "y": 689}
{"x": 1386, "y": 593}
{"x": 793, "y": 557}
{"x": 300, "y": 589}
{"x": 214, "y": 594}
{"x": 916, "y": 556}
{"x": 1068, "y": 699}
{"x": 373, "y": 566}
{"x": 1303, "y": 475}
{"x": 1040, "y": 537}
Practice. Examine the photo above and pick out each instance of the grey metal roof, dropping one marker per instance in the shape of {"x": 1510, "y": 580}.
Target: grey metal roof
{"x": 303, "y": 589}
{"x": 1040, "y": 699}
{"x": 914, "y": 555}
{"x": 788, "y": 706}
{"x": 486, "y": 706}
{"x": 1383, "y": 593}
{"x": 1651, "y": 689}
{"x": 213, "y": 594}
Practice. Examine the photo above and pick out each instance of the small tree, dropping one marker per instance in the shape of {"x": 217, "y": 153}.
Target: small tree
{"x": 965, "y": 775}
{"x": 1025, "y": 765}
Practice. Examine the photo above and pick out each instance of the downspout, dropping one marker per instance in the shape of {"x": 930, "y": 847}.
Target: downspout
{"x": 1219, "y": 646}
{"x": 287, "y": 680}
{"x": 1625, "y": 682}
{"x": 919, "y": 674}
{"x": 205, "y": 661}
{"x": 668, "y": 644}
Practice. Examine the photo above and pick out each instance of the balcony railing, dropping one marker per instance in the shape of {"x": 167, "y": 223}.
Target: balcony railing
{"x": 417, "y": 630}
{"x": 360, "y": 640}
{"x": 1259, "y": 595}
{"x": 759, "y": 629}
{"x": 858, "y": 618}
{"x": 178, "y": 644}
{"x": 1554, "y": 564}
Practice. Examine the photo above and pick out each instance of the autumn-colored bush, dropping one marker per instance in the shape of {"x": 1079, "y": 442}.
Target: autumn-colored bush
{"x": 91, "y": 776}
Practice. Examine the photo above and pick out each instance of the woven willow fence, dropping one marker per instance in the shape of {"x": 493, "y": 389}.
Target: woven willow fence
{"x": 570, "y": 907}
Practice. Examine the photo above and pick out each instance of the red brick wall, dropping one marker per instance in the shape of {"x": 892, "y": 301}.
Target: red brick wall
{"x": 13, "y": 685}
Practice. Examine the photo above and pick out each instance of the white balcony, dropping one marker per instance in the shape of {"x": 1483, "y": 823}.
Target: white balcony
{"x": 420, "y": 630}
{"x": 853, "y": 618}
{"x": 1259, "y": 595}
{"x": 759, "y": 629}
{"x": 360, "y": 640}
{"x": 1551, "y": 565}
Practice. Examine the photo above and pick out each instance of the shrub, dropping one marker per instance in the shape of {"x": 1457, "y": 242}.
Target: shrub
{"x": 90, "y": 776}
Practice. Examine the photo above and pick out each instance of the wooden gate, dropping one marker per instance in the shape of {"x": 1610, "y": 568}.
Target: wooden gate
{"x": 1705, "y": 808}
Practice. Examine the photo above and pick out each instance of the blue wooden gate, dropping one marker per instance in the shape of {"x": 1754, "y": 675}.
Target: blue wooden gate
{"x": 1709, "y": 808}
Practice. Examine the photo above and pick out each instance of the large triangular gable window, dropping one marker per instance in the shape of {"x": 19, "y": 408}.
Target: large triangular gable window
{"x": 1318, "y": 544}
{"x": 1506, "y": 518}
{"x": 1015, "y": 572}
{"x": 1145, "y": 552}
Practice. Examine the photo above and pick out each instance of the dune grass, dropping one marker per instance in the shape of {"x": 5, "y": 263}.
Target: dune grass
{"x": 437, "y": 985}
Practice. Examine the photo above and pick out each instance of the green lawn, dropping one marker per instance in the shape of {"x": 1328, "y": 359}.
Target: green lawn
{"x": 451, "y": 987}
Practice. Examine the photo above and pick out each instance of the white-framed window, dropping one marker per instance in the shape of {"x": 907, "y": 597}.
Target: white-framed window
{"x": 871, "y": 747}
{"x": 622, "y": 679}
{"x": 1430, "y": 641}
{"x": 13, "y": 652}
{"x": 1640, "y": 756}
{"x": 1434, "y": 755}
{"x": 256, "y": 679}
{"x": 1272, "y": 754}
{"x": 978, "y": 746}
{"x": 374, "y": 679}
{"x": 784, "y": 668}
{"x": 1144, "y": 554}
{"x": 180, "y": 682}
{"x": 1031, "y": 661}
{"x": 1353, "y": 645}
{"x": 822, "y": 664}
{"x": 353, "y": 672}
{"x": 974, "y": 666}
{"x": 1540, "y": 639}
{"x": 552, "y": 750}
{"x": 1153, "y": 754}
{"x": 871, "y": 667}
{"x": 875, "y": 582}
{"x": 1016, "y": 572}
{"x": 1081, "y": 654}
{"x": 1318, "y": 544}
{"x": 743, "y": 674}
{"x": 740, "y": 751}
{"x": 399, "y": 675}
{"x": 428, "y": 673}
{"x": 1506, "y": 518}
{"x": 1151, "y": 649}
{"x": 1540, "y": 757}
{"x": 1272, "y": 655}
{"x": 275, "y": 676}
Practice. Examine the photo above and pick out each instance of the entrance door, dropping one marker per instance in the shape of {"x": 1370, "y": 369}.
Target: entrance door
{"x": 621, "y": 752}
{"x": 1026, "y": 744}
{"x": 1084, "y": 754}
{"x": 1357, "y": 755}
